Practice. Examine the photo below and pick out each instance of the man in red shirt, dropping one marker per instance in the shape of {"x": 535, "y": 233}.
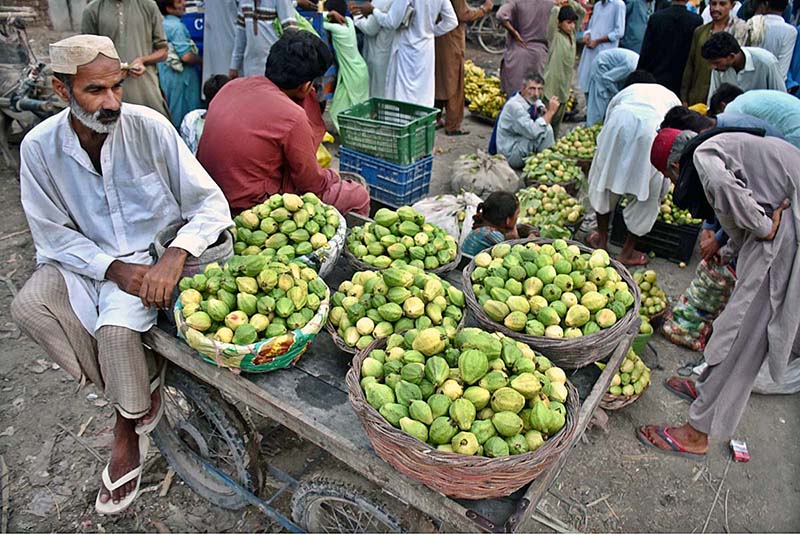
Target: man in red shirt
{"x": 262, "y": 132}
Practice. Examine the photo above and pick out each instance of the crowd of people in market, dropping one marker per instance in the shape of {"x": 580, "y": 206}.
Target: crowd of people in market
{"x": 707, "y": 99}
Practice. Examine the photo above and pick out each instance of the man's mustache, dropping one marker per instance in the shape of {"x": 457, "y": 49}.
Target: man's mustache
{"x": 106, "y": 114}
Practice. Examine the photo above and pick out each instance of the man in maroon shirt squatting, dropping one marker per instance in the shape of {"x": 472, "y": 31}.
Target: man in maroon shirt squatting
{"x": 262, "y": 132}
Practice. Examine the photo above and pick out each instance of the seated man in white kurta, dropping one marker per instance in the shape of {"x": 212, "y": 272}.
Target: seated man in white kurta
{"x": 98, "y": 181}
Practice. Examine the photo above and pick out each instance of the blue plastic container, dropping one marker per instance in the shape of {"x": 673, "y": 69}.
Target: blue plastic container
{"x": 389, "y": 183}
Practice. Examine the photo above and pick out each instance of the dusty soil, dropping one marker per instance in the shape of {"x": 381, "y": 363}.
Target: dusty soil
{"x": 611, "y": 483}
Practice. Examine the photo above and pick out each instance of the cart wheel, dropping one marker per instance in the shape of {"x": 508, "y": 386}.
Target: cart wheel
{"x": 491, "y": 35}
{"x": 200, "y": 426}
{"x": 341, "y": 502}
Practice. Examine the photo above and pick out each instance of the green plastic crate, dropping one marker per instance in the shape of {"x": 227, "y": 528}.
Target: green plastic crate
{"x": 398, "y": 132}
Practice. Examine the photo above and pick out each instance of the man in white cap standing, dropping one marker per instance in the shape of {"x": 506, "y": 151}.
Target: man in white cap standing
{"x": 98, "y": 181}
{"x": 136, "y": 28}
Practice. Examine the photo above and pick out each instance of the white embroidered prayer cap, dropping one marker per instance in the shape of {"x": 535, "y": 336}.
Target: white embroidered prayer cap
{"x": 70, "y": 53}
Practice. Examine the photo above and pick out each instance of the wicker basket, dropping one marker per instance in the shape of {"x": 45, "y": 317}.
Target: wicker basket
{"x": 338, "y": 341}
{"x": 263, "y": 356}
{"x": 657, "y": 319}
{"x": 458, "y": 476}
{"x": 358, "y": 265}
{"x": 585, "y": 164}
{"x": 610, "y": 402}
{"x": 564, "y": 352}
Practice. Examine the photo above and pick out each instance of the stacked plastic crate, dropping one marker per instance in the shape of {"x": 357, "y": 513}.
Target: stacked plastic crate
{"x": 389, "y": 143}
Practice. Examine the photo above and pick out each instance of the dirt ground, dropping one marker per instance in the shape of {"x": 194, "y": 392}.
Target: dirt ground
{"x": 611, "y": 483}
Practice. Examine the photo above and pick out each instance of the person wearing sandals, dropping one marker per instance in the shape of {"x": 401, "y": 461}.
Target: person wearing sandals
{"x": 752, "y": 184}
{"x": 495, "y": 221}
{"x": 621, "y": 167}
{"x": 98, "y": 181}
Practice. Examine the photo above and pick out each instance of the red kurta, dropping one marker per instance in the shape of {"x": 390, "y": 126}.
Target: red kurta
{"x": 257, "y": 142}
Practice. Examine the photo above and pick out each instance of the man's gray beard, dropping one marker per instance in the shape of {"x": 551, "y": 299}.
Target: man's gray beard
{"x": 89, "y": 120}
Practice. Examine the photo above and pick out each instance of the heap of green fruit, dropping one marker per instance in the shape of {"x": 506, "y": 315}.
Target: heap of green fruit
{"x": 285, "y": 227}
{"x": 483, "y": 92}
{"x": 376, "y": 304}
{"x": 479, "y": 394}
{"x": 550, "y": 167}
{"x": 548, "y": 205}
{"x": 401, "y": 236}
{"x": 632, "y": 377}
{"x": 654, "y": 300}
{"x": 550, "y": 290}
{"x": 579, "y": 143}
{"x": 673, "y": 215}
{"x": 251, "y": 299}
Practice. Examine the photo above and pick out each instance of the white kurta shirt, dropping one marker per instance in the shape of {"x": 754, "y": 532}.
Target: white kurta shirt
{"x": 779, "y": 38}
{"x": 760, "y": 71}
{"x": 81, "y": 221}
{"x": 410, "y": 76}
{"x": 378, "y": 43}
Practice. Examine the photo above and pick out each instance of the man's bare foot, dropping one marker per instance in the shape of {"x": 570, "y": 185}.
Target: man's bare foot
{"x": 683, "y": 439}
{"x": 633, "y": 258}
{"x": 155, "y": 403}
{"x": 597, "y": 240}
{"x": 124, "y": 458}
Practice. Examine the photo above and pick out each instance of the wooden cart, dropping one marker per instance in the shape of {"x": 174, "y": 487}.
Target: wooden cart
{"x": 205, "y": 440}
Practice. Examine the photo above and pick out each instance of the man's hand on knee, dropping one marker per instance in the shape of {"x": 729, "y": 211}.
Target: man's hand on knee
{"x": 128, "y": 277}
{"x": 160, "y": 280}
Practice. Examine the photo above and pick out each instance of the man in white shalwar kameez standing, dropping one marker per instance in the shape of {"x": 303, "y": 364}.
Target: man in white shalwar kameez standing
{"x": 219, "y": 24}
{"x": 378, "y": 43}
{"x": 410, "y": 76}
{"x": 621, "y": 166}
{"x": 98, "y": 181}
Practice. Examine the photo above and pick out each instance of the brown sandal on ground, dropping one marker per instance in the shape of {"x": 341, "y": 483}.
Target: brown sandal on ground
{"x": 663, "y": 433}
{"x": 681, "y": 387}
{"x": 456, "y": 132}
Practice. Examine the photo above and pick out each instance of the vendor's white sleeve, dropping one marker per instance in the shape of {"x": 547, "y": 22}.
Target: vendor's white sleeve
{"x": 54, "y": 233}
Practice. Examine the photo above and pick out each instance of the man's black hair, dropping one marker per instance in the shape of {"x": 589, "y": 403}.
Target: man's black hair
{"x": 496, "y": 209}
{"x": 776, "y": 6}
{"x": 567, "y": 13}
{"x": 724, "y": 95}
{"x": 213, "y": 85}
{"x": 686, "y": 119}
{"x": 639, "y": 77}
{"x": 66, "y": 79}
{"x": 296, "y": 58}
{"x": 163, "y": 5}
{"x": 720, "y": 45}
{"x": 340, "y": 6}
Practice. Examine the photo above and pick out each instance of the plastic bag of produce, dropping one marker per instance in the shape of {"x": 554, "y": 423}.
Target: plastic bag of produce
{"x": 452, "y": 213}
{"x": 675, "y": 333}
{"x": 482, "y": 174}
